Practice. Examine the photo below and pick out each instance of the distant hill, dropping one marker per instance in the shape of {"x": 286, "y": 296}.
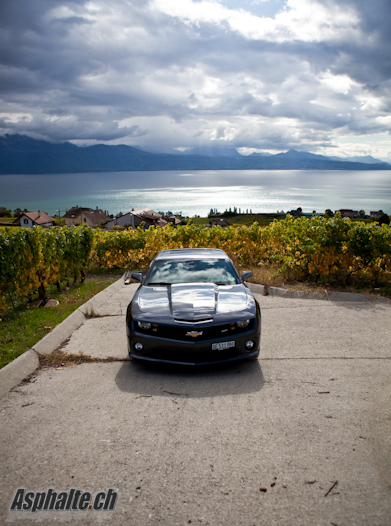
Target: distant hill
{"x": 22, "y": 155}
{"x": 294, "y": 154}
{"x": 367, "y": 159}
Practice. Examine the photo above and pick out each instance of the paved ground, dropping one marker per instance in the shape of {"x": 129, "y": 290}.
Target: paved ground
{"x": 184, "y": 446}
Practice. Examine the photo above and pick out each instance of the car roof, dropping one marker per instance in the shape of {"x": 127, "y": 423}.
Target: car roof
{"x": 192, "y": 253}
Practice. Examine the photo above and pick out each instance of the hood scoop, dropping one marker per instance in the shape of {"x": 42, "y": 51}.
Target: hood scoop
{"x": 193, "y": 301}
{"x": 194, "y": 321}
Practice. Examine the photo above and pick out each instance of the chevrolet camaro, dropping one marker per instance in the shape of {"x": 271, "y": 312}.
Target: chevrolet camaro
{"x": 193, "y": 308}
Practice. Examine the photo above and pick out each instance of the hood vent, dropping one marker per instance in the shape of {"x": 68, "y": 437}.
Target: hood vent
{"x": 192, "y": 322}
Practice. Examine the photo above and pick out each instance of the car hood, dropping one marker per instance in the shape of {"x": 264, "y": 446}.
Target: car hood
{"x": 191, "y": 301}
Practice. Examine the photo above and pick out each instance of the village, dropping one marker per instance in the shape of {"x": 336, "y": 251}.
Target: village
{"x": 145, "y": 217}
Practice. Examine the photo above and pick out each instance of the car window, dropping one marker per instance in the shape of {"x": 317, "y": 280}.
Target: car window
{"x": 192, "y": 271}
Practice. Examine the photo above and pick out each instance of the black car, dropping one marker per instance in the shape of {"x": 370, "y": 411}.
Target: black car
{"x": 193, "y": 308}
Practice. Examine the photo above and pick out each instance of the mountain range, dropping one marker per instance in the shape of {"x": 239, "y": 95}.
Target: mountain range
{"x": 20, "y": 154}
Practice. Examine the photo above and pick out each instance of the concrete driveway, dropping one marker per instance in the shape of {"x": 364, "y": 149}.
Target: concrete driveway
{"x": 258, "y": 443}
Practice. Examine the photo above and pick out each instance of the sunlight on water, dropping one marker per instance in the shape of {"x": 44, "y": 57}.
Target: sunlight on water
{"x": 195, "y": 193}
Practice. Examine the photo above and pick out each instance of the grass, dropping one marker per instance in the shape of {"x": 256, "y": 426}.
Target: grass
{"x": 200, "y": 220}
{"x": 22, "y": 327}
{"x": 249, "y": 219}
{"x": 242, "y": 219}
{"x": 58, "y": 359}
{"x": 7, "y": 219}
{"x": 267, "y": 275}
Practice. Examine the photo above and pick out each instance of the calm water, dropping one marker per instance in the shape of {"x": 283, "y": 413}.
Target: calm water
{"x": 196, "y": 192}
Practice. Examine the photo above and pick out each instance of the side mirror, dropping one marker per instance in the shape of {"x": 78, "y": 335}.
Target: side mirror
{"x": 138, "y": 277}
{"x": 246, "y": 275}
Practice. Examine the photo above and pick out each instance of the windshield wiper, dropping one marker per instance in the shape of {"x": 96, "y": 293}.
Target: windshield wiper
{"x": 159, "y": 283}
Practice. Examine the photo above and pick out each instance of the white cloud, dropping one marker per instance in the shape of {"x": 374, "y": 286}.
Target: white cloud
{"x": 378, "y": 146}
{"x": 301, "y": 20}
{"x": 177, "y": 73}
{"x": 337, "y": 83}
{"x": 15, "y": 118}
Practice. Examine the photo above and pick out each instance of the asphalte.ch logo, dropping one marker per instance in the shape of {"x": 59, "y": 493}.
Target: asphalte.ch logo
{"x": 74, "y": 500}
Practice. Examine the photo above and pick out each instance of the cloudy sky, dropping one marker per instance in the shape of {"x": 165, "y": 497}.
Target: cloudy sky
{"x": 258, "y": 75}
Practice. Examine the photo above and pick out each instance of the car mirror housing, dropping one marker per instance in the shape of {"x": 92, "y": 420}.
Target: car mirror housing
{"x": 246, "y": 275}
{"x": 137, "y": 276}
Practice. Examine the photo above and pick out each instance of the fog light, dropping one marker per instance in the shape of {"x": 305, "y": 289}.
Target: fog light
{"x": 249, "y": 345}
{"x": 138, "y": 347}
{"x": 144, "y": 325}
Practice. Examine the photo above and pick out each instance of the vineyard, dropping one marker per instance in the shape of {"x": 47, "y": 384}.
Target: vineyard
{"x": 33, "y": 258}
{"x": 335, "y": 250}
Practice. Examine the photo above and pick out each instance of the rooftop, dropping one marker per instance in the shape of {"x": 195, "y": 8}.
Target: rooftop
{"x": 38, "y": 216}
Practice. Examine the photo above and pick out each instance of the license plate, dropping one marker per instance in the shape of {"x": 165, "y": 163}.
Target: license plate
{"x": 222, "y": 345}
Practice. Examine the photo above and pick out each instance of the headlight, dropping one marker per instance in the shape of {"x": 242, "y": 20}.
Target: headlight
{"x": 242, "y": 324}
{"x": 144, "y": 325}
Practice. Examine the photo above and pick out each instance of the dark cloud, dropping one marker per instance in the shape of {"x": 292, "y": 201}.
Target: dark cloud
{"x": 154, "y": 74}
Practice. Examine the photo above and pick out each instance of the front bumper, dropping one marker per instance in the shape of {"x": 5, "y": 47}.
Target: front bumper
{"x": 192, "y": 353}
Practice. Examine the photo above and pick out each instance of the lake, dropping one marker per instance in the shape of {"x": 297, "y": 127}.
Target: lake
{"x": 196, "y": 192}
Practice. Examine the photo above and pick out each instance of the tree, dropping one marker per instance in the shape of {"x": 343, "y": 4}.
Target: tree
{"x": 6, "y": 212}
{"x": 384, "y": 220}
{"x": 328, "y": 213}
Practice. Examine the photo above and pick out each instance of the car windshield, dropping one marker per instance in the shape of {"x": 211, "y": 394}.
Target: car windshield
{"x": 220, "y": 271}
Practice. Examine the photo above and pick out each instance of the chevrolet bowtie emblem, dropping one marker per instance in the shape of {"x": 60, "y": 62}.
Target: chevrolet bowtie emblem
{"x": 194, "y": 334}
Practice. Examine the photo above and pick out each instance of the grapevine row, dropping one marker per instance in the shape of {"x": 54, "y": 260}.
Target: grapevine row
{"x": 335, "y": 249}
{"x": 30, "y": 259}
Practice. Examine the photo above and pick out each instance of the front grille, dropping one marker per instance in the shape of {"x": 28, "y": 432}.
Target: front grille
{"x": 180, "y": 333}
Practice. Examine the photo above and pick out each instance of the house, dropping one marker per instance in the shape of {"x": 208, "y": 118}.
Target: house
{"x": 379, "y": 213}
{"x": 347, "y": 212}
{"x": 124, "y": 220}
{"x": 36, "y": 218}
{"x": 86, "y": 216}
{"x": 146, "y": 216}
{"x": 172, "y": 219}
{"x": 128, "y": 220}
{"x": 296, "y": 213}
{"x": 150, "y": 217}
{"x": 219, "y": 222}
